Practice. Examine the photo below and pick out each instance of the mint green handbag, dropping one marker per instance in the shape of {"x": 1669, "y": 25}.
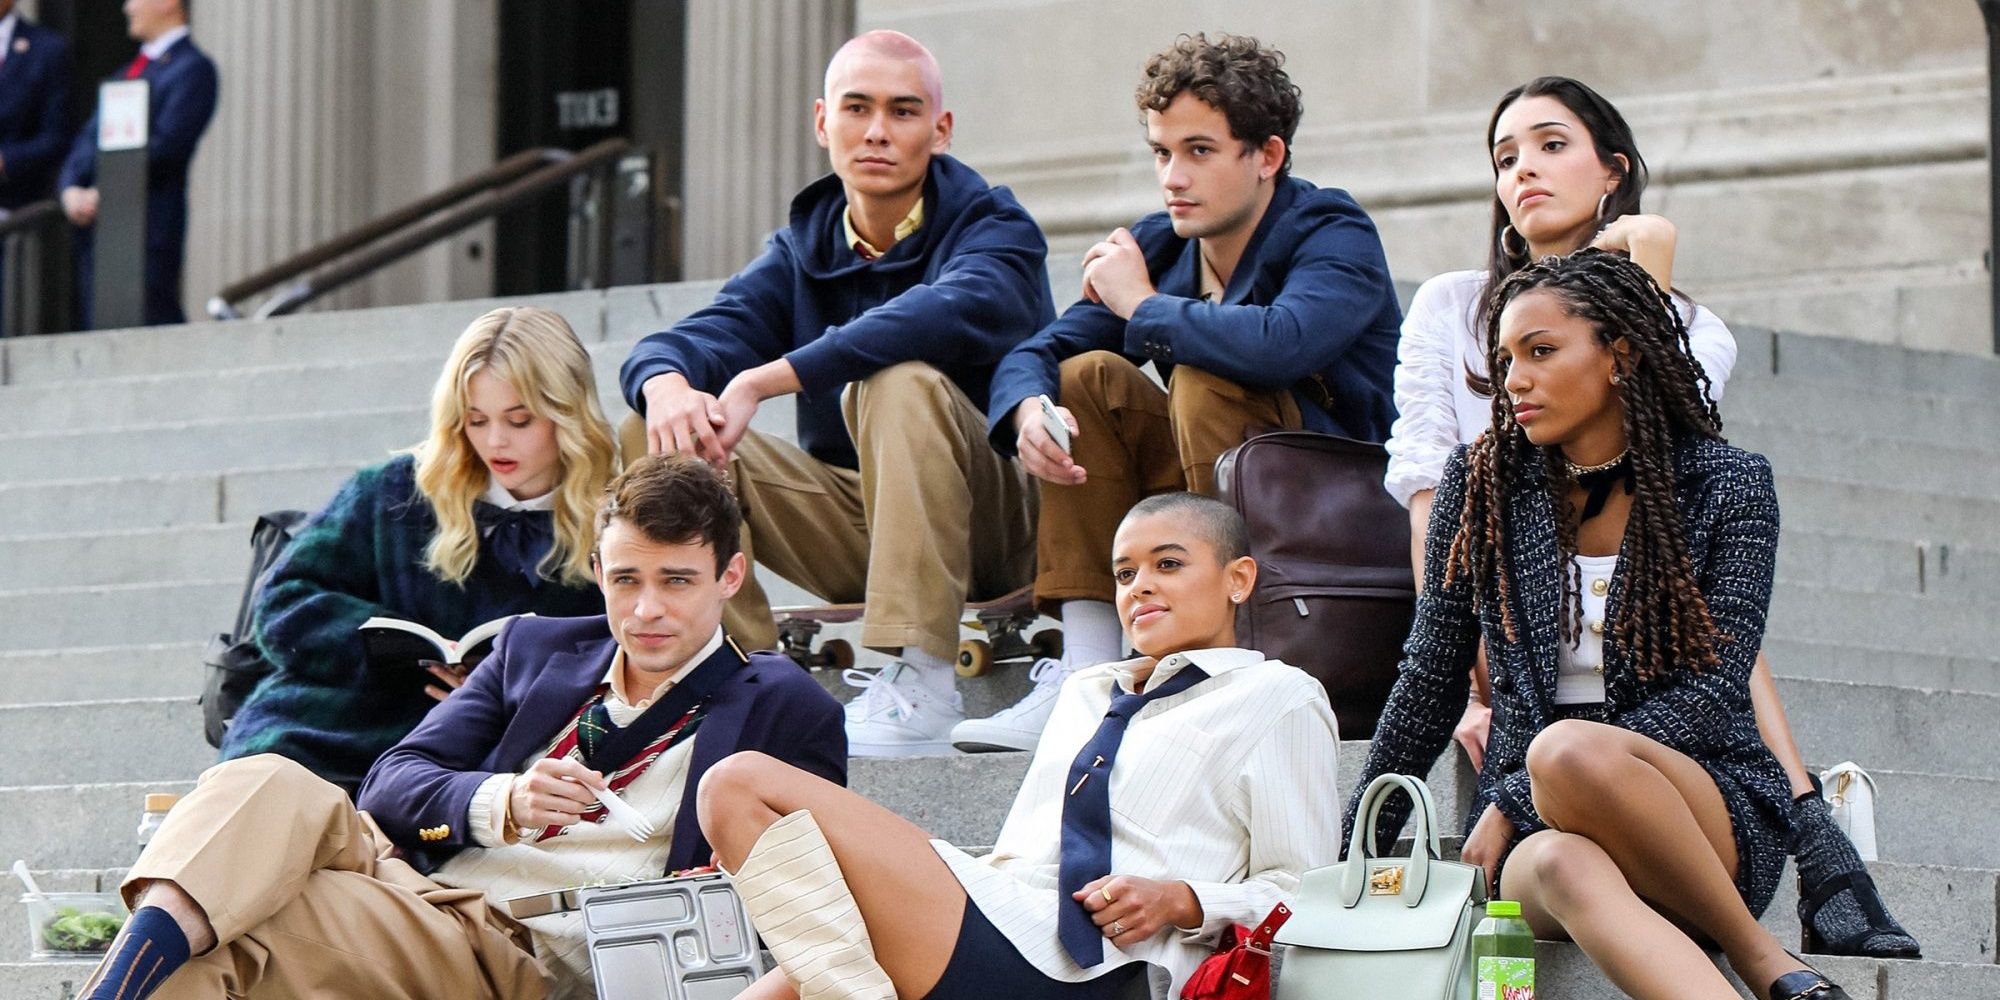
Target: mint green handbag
{"x": 1384, "y": 928}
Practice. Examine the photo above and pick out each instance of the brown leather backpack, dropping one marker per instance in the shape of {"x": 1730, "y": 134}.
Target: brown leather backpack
{"x": 1335, "y": 594}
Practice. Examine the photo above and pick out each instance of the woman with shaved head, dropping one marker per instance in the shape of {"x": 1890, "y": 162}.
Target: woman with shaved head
{"x": 1167, "y": 800}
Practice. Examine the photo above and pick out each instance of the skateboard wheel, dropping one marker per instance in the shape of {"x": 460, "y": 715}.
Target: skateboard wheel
{"x": 1047, "y": 644}
{"x": 836, "y": 654}
{"x": 974, "y": 657}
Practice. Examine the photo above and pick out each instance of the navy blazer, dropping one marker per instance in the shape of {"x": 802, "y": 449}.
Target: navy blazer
{"x": 526, "y": 692}
{"x": 182, "y": 101}
{"x": 1311, "y": 299}
{"x": 34, "y": 113}
{"x": 1729, "y": 516}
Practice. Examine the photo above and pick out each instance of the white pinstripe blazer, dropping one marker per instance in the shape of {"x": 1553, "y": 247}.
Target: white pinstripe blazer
{"x": 1228, "y": 786}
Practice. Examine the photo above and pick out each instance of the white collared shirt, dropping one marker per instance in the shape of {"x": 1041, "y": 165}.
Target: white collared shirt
{"x": 587, "y": 853}
{"x": 7, "y": 33}
{"x": 498, "y": 496}
{"x": 1228, "y": 786}
{"x": 158, "y": 47}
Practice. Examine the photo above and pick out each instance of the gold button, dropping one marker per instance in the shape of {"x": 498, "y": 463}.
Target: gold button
{"x": 1597, "y": 628}
{"x": 1598, "y": 670}
{"x": 1598, "y": 587}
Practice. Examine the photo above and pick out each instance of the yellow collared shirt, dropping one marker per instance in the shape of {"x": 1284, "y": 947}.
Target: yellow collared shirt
{"x": 910, "y": 224}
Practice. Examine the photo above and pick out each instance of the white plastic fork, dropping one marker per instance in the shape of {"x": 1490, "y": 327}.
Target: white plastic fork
{"x": 636, "y": 825}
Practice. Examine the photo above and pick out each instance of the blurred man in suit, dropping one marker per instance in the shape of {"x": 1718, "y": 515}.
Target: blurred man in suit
{"x": 34, "y": 112}
{"x": 182, "y": 101}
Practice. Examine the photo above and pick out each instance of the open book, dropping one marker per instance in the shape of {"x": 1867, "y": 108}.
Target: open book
{"x": 397, "y": 644}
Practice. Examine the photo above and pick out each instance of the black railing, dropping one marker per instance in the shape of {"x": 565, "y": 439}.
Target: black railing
{"x": 36, "y": 280}
{"x": 506, "y": 185}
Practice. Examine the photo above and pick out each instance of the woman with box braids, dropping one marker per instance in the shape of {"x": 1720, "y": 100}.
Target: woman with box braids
{"x": 1614, "y": 557}
{"x": 1567, "y": 173}
{"x": 1665, "y": 393}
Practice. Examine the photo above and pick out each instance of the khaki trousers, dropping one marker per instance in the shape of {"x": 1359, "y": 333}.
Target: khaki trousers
{"x": 306, "y": 901}
{"x": 1135, "y": 440}
{"x": 933, "y": 517}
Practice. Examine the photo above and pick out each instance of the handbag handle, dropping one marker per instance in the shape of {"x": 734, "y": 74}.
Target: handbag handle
{"x": 1360, "y": 844}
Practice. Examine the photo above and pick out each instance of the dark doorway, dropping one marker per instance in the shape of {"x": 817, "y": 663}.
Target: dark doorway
{"x": 572, "y": 74}
{"x": 98, "y": 44}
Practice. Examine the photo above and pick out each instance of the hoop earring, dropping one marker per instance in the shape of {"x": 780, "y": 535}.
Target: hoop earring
{"x": 1236, "y": 598}
{"x": 1507, "y": 252}
{"x": 1601, "y": 201}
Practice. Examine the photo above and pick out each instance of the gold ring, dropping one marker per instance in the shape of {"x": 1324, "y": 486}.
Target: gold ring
{"x": 1106, "y": 893}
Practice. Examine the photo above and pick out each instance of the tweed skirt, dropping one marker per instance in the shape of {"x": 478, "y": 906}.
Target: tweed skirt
{"x": 1762, "y": 841}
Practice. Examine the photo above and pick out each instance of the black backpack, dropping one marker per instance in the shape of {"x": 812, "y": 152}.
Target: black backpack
{"x": 235, "y": 664}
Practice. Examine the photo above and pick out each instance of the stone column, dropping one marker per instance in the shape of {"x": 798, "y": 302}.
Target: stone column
{"x": 753, "y": 70}
{"x": 331, "y": 113}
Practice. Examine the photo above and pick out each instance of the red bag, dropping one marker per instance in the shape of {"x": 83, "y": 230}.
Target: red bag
{"x": 1240, "y": 969}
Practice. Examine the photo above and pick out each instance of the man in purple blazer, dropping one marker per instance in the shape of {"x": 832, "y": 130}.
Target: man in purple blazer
{"x": 266, "y": 881}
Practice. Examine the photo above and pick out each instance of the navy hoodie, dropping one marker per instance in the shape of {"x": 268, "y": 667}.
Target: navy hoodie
{"x": 1311, "y": 299}
{"x": 957, "y": 294}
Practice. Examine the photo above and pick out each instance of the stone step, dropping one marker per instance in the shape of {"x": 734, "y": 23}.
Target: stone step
{"x": 624, "y": 314}
{"x": 159, "y": 670}
{"x": 1871, "y": 664}
{"x": 132, "y": 556}
{"x": 1767, "y": 404}
{"x": 353, "y": 437}
{"x": 1853, "y": 455}
{"x": 254, "y": 393}
{"x": 80, "y": 505}
{"x": 116, "y": 615}
{"x": 1919, "y": 623}
{"x": 1953, "y": 571}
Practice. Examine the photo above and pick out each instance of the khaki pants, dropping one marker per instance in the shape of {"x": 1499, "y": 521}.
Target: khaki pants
{"x": 1135, "y": 440}
{"x": 306, "y": 901}
{"x": 934, "y": 516}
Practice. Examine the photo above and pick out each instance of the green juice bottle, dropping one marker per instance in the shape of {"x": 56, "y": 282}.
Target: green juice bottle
{"x": 1503, "y": 953}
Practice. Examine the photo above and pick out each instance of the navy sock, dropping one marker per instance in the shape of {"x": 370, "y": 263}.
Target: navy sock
{"x": 147, "y": 951}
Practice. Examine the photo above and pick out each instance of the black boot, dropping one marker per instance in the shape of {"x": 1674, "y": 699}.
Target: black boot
{"x": 1839, "y": 908}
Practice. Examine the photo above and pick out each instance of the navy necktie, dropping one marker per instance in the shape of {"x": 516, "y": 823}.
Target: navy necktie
{"x": 1086, "y": 816}
{"x": 516, "y": 540}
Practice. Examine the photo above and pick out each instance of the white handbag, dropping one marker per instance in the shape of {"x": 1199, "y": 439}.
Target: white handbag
{"x": 1384, "y": 928}
{"x": 1850, "y": 797}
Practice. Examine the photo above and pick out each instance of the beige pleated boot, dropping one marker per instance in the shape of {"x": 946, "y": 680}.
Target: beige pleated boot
{"x": 802, "y": 908}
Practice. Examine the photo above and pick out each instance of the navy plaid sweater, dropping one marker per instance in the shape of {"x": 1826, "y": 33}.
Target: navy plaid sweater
{"x": 362, "y": 556}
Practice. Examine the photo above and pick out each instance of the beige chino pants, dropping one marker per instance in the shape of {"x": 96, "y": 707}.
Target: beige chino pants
{"x": 1135, "y": 440}
{"x": 307, "y": 902}
{"x": 934, "y": 516}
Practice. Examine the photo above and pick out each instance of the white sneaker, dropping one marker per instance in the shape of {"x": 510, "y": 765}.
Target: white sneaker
{"x": 1018, "y": 726}
{"x": 897, "y": 715}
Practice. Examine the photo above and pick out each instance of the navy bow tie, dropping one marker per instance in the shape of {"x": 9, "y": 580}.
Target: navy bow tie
{"x": 516, "y": 540}
{"x": 1086, "y": 816}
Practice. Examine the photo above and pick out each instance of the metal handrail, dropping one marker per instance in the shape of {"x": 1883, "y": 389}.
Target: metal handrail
{"x": 506, "y": 185}
{"x": 29, "y": 216}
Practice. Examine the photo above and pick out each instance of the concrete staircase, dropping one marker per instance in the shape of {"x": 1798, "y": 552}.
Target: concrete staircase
{"x": 132, "y": 462}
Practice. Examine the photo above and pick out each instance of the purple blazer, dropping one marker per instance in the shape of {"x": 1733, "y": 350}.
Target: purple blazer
{"x": 540, "y": 673}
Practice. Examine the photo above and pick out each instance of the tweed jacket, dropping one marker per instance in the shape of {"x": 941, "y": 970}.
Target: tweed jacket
{"x": 1729, "y": 514}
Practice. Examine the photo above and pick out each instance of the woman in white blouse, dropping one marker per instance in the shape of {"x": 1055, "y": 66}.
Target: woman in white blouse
{"x": 1568, "y": 174}
{"x": 1220, "y": 795}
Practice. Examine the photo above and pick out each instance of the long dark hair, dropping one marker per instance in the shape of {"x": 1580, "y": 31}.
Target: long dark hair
{"x": 1612, "y": 139}
{"x": 1663, "y": 619}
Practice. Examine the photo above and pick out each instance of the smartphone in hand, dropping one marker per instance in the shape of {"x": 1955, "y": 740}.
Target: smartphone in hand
{"x": 1052, "y": 422}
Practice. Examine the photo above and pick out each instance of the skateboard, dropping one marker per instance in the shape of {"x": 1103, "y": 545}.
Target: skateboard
{"x": 1004, "y": 620}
